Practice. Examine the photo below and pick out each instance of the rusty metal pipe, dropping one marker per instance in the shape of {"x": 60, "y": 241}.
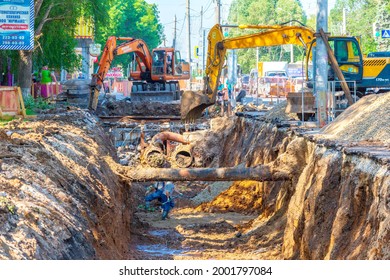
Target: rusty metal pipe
{"x": 260, "y": 173}
{"x": 171, "y": 136}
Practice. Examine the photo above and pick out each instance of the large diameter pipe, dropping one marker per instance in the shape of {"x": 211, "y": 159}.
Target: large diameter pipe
{"x": 182, "y": 156}
{"x": 259, "y": 173}
{"x": 153, "y": 156}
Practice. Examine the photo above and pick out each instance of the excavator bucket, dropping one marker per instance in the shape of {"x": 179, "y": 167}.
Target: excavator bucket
{"x": 192, "y": 104}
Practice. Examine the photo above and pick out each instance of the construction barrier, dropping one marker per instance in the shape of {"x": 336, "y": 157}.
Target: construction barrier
{"x": 11, "y": 102}
{"x": 46, "y": 90}
{"x": 122, "y": 87}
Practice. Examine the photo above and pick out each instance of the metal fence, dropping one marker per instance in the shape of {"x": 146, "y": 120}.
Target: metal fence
{"x": 336, "y": 98}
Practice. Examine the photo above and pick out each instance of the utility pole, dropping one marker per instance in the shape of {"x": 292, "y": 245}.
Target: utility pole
{"x": 218, "y": 12}
{"x": 200, "y": 33}
{"x": 174, "y": 34}
{"x": 201, "y": 19}
{"x": 204, "y": 52}
{"x": 291, "y": 47}
{"x": 189, "y": 36}
{"x": 321, "y": 63}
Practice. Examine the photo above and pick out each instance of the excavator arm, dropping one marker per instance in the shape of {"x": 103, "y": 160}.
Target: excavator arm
{"x": 193, "y": 103}
{"x": 111, "y": 50}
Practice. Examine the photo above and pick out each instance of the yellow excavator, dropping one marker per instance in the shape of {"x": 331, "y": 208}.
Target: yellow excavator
{"x": 346, "y": 51}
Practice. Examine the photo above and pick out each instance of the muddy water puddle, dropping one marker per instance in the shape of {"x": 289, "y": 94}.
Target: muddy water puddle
{"x": 159, "y": 250}
{"x": 188, "y": 235}
{"x": 168, "y": 244}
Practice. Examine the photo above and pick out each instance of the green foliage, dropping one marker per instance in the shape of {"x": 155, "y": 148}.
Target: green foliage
{"x": 265, "y": 12}
{"x": 11, "y": 56}
{"x": 360, "y": 16}
{"x": 131, "y": 18}
{"x": 55, "y": 31}
{"x": 32, "y": 105}
{"x": 55, "y": 42}
{"x": 57, "y": 51}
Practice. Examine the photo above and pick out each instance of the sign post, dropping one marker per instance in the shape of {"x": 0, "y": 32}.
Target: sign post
{"x": 16, "y": 24}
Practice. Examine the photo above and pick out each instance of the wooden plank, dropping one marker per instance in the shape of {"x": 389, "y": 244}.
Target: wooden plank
{"x": 21, "y": 102}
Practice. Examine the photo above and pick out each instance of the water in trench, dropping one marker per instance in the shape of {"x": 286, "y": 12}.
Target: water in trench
{"x": 162, "y": 249}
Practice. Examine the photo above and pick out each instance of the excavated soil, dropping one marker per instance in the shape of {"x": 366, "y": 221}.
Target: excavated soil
{"x": 112, "y": 107}
{"x": 61, "y": 199}
{"x": 58, "y": 198}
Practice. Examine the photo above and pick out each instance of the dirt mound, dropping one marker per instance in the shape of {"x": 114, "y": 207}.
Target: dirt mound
{"x": 58, "y": 198}
{"x": 278, "y": 113}
{"x": 242, "y": 197}
{"x": 112, "y": 107}
{"x": 210, "y": 192}
{"x": 250, "y": 107}
{"x": 366, "y": 120}
{"x": 208, "y": 145}
{"x": 220, "y": 226}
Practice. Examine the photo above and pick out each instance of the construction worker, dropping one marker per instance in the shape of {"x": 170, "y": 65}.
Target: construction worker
{"x": 163, "y": 193}
{"x": 167, "y": 200}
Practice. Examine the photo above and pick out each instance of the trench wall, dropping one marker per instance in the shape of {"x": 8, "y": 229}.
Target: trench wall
{"x": 337, "y": 205}
{"x": 59, "y": 199}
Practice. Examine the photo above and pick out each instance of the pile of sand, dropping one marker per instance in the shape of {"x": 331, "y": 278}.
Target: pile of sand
{"x": 366, "y": 120}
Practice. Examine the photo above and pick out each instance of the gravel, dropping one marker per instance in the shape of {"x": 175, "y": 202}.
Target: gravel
{"x": 366, "y": 120}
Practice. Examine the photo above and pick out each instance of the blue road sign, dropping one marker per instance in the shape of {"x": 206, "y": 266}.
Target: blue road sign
{"x": 386, "y": 33}
{"x": 16, "y": 24}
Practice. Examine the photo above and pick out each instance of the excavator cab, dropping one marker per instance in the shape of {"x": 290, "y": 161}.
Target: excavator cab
{"x": 168, "y": 65}
{"x": 158, "y": 67}
{"x": 348, "y": 55}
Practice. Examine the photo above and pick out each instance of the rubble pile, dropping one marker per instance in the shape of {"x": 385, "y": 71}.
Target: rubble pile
{"x": 278, "y": 113}
{"x": 110, "y": 106}
{"x": 250, "y": 107}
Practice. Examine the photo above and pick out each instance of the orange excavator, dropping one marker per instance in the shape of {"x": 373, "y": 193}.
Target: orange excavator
{"x": 155, "y": 75}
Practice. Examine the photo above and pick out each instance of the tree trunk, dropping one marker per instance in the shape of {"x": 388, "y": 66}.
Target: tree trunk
{"x": 25, "y": 72}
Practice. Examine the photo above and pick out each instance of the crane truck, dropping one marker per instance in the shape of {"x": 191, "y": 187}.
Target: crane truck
{"x": 155, "y": 74}
{"x": 367, "y": 72}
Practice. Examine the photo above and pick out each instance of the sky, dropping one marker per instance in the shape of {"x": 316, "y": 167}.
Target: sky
{"x": 169, "y": 8}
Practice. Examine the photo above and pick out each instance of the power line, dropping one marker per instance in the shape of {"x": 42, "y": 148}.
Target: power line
{"x": 182, "y": 25}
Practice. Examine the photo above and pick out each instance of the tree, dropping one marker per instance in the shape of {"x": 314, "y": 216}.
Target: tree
{"x": 131, "y": 18}
{"x": 54, "y": 30}
{"x": 383, "y": 18}
{"x": 361, "y": 15}
{"x": 55, "y": 22}
{"x": 267, "y": 12}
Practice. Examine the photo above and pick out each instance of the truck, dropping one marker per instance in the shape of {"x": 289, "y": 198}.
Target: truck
{"x": 267, "y": 72}
{"x": 155, "y": 74}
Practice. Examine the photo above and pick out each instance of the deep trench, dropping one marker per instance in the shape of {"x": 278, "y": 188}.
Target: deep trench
{"x": 335, "y": 207}
{"x": 62, "y": 196}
